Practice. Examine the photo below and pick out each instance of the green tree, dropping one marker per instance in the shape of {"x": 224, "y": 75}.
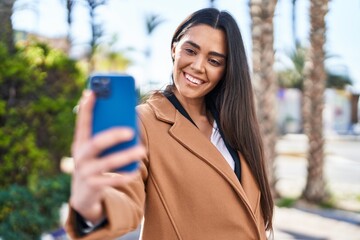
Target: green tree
{"x": 338, "y": 81}
{"x": 27, "y": 213}
{"x": 39, "y": 87}
{"x": 69, "y": 4}
{"x": 152, "y": 22}
{"x": 6, "y": 30}
{"x": 97, "y": 30}
{"x": 108, "y": 59}
{"x": 293, "y": 22}
{"x": 293, "y": 76}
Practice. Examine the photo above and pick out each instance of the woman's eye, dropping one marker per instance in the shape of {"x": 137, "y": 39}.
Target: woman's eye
{"x": 189, "y": 51}
{"x": 214, "y": 62}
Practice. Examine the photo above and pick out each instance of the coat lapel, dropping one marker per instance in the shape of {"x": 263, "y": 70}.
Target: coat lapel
{"x": 191, "y": 138}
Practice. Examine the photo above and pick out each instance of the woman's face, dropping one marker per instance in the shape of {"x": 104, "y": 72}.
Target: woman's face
{"x": 199, "y": 61}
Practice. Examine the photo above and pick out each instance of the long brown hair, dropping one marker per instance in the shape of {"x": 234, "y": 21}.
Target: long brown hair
{"x": 234, "y": 100}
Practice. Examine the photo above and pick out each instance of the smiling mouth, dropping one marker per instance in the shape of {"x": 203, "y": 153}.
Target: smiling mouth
{"x": 193, "y": 80}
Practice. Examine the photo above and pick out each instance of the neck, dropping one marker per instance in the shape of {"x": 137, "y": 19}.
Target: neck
{"x": 194, "y": 107}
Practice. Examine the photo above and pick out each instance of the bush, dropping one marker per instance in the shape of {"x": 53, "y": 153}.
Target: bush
{"x": 39, "y": 87}
{"x": 26, "y": 214}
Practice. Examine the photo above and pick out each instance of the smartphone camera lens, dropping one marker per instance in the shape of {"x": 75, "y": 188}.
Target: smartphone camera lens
{"x": 101, "y": 87}
{"x": 96, "y": 83}
{"x": 105, "y": 81}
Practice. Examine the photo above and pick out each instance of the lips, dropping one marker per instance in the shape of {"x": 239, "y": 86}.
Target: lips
{"x": 193, "y": 80}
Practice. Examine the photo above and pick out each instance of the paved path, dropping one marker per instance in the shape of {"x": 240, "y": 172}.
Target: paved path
{"x": 341, "y": 168}
{"x": 342, "y": 173}
{"x": 293, "y": 223}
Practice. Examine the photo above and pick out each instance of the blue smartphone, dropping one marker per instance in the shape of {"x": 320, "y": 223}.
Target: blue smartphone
{"x": 116, "y": 99}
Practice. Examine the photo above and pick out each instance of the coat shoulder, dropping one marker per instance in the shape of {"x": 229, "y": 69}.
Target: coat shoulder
{"x": 157, "y": 106}
{"x": 144, "y": 109}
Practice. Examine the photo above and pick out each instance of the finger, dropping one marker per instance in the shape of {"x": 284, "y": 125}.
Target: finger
{"x": 95, "y": 184}
{"x": 113, "y": 161}
{"x": 108, "y": 138}
{"x": 113, "y": 180}
{"x": 84, "y": 118}
{"x": 124, "y": 158}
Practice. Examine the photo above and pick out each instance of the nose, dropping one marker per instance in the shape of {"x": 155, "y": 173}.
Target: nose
{"x": 198, "y": 64}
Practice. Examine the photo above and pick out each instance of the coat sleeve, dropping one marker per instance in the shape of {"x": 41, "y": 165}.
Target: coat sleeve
{"x": 124, "y": 206}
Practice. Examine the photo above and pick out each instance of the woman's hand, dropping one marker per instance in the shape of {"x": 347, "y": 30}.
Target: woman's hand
{"x": 88, "y": 179}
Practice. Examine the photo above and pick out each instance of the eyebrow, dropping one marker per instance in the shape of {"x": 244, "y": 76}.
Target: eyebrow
{"x": 211, "y": 53}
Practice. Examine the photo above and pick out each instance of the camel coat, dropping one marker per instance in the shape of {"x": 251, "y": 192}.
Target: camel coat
{"x": 186, "y": 191}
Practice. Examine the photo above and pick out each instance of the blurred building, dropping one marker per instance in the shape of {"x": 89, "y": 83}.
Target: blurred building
{"x": 340, "y": 115}
{"x": 289, "y": 110}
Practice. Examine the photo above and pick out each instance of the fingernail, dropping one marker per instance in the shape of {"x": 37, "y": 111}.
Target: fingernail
{"x": 129, "y": 132}
{"x": 85, "y": 96}
{"x": 86, "y": 93}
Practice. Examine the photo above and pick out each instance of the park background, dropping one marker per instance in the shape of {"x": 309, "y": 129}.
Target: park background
{"x": 42, "y": 78}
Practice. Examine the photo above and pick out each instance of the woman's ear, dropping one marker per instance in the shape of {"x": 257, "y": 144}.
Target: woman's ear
{"x": 173, "y": 51}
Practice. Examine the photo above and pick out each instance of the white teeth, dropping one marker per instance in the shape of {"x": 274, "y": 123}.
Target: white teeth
{"x": 193, "y": 80}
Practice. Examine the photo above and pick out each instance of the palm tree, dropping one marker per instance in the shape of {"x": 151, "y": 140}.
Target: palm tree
{"x": 314, "y": 87}
{"x": 152, "y": 22}
{"x": 96, "y": 29}
{"x": 262, "y": 13}
{"x": 69, "y": 7}
{"x": 293, "y": 76}
{"x": 108, "y": 59}
{"x": 6, "y": 30}
{"x": 293, "y": 22}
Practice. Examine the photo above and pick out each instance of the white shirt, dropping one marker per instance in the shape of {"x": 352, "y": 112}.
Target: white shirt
{"x": 219, "y": 143}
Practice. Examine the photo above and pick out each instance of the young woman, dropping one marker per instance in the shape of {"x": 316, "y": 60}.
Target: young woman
{"x": 202, "y": 173}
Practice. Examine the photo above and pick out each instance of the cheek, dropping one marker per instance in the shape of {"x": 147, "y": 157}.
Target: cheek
{"x": 179, "y": 63}
{"x": 217, "y": 75}
{"x": 176, "y": 71}
{"x": 176, "y": 67}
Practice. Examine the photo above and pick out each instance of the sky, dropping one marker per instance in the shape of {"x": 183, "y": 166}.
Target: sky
{"x": 126, "y": 20}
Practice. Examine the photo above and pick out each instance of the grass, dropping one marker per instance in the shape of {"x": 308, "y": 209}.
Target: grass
{"x": 286, "y": 202}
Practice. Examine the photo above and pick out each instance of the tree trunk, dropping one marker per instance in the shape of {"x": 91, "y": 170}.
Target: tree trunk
{"x": 354, "y": 108}
{"x": 264, "y": 78}
{"x": 69, "y": 7}
{"x": 314, "y": 88}
{"x": 294, "y": 23}
{"x": 6, "y": 30}
{"x": 96, "y": 30}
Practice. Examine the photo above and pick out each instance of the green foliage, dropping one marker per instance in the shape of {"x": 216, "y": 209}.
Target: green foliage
{"x": 329, "y": 203}
{"x": 337, "y": 81}
{"x": 39, "y": 87}
{"x": 105, "y": 58}
{"x": 294, "y": 76}
{"x": 286, "y": 202}
{"x": 152, "y": 22}
{"x": 26, "y": 213}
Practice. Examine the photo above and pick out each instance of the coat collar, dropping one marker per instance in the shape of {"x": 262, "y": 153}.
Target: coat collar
{"x": 189, "y": 136}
